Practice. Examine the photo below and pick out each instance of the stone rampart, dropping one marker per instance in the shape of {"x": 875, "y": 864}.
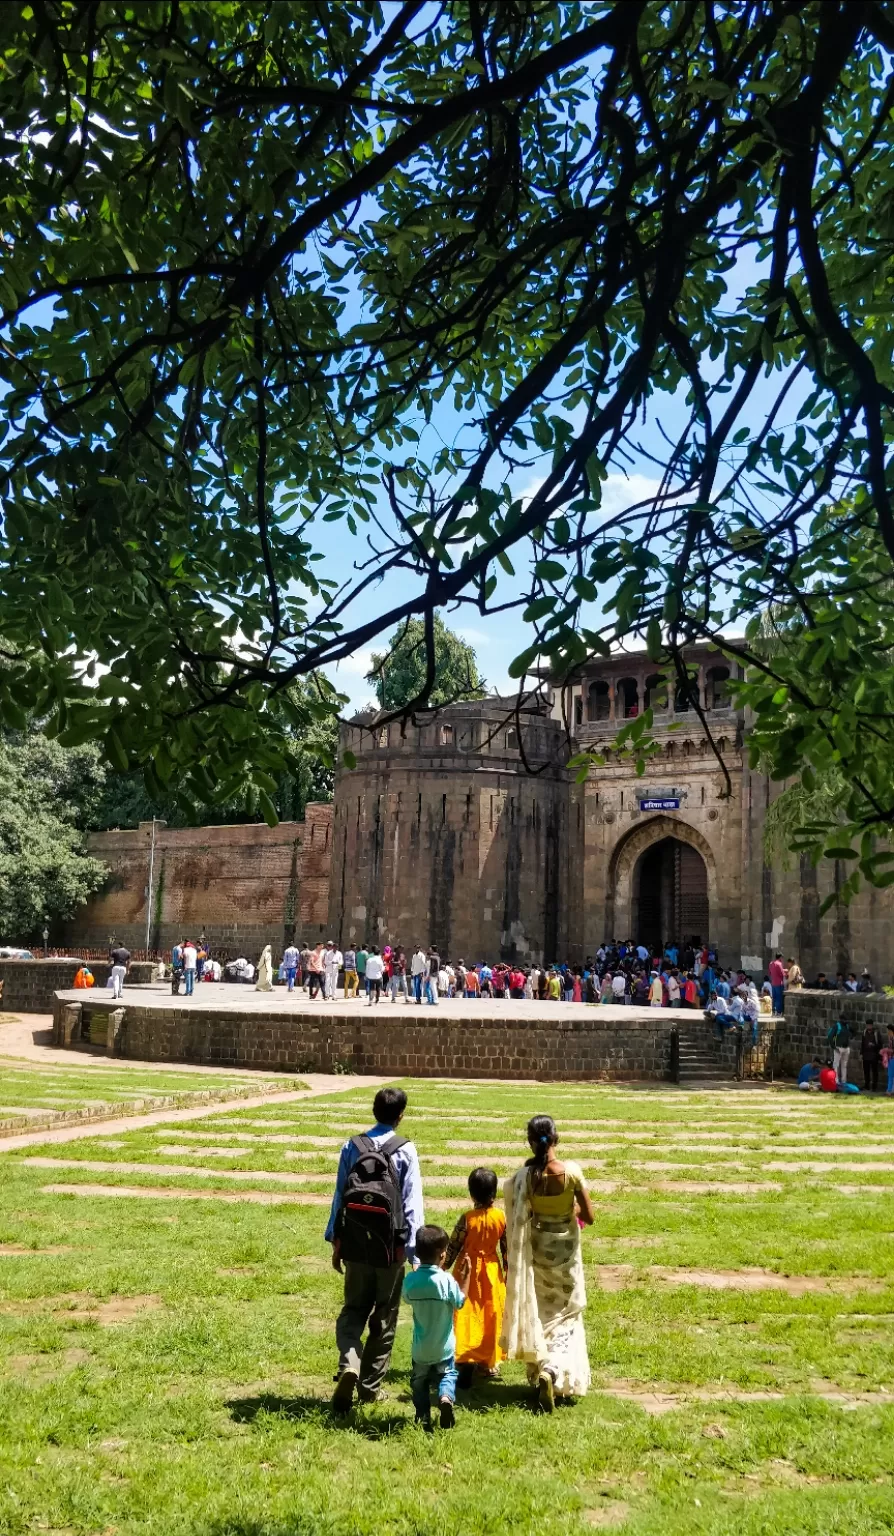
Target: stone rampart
{"x": 29, "y": 986}
{"x": 422, "y": 1044}
{"x": 441, "y": 835}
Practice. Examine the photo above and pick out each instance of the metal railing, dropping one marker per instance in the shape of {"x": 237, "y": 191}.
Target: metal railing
{"x": 674, "y": 1054}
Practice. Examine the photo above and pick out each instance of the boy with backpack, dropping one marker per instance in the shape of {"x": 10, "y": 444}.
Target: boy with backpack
{"x": 376, "y": 1213}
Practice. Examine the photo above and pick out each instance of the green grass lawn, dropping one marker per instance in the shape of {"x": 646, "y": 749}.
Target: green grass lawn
{"x": 167, "y": 1362}
{"x": 33, "y": 1094}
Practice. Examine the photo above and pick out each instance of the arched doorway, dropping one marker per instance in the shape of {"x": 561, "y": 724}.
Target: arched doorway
{"x": 669, "y": 894}
{"x": 625, "y": 882}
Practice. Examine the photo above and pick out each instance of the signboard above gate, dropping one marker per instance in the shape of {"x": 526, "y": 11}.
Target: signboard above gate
{"x": 659, "y": 805}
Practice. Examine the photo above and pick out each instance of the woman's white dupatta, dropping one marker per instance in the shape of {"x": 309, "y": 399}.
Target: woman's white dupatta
{"x": 522, "y": 1336}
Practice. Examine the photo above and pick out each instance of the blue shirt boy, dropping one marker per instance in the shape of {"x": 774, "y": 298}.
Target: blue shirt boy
{"x": 434, "y": 1296}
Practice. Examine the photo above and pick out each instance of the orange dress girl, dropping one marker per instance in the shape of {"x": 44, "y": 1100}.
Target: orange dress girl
{"x": 481, "y": 1233}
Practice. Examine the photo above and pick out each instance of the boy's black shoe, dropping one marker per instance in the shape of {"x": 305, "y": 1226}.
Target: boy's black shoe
{"x": 425, "y": 1420}
{"x": 448, "y": 1417}
{"x": 343, "y": 1396}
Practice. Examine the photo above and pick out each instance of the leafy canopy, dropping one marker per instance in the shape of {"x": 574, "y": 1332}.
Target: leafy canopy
{"x": 269, "y": 267}
{"x": 309, "y": 755}
{"x": 400, "y": 674}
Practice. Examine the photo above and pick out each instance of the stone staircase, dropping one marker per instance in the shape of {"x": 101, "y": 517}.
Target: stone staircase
{"x": 702, "y": 1057}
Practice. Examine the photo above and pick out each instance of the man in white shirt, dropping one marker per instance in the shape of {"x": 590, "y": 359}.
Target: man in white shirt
{"x": 189, "y": 956}
{"x": 619, "y": 983}
{"x": 332, "y": 963}
{"x": 375, "y": 970}
{"x": 417, "y": 972}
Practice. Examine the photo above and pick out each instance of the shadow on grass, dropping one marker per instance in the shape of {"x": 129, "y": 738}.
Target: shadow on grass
{"x": 245, "y": 1410}
{"x": 497, "y": 1394}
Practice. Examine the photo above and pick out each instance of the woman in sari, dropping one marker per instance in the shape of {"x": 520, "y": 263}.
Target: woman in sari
{"x": 547, "y": 1203}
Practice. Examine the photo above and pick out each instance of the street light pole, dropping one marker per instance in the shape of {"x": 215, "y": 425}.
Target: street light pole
{"x": 149, "y": 889}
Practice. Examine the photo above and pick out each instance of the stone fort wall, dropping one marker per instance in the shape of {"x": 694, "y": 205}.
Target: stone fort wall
{"x": 465, "y": 829}
{"x": 440, "y": 836}
{"x": 243, "y": 886}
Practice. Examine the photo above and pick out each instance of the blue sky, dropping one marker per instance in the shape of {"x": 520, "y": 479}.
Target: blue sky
{"x": 496, "y": 638}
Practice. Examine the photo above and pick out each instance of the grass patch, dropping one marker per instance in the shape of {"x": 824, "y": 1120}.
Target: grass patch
{"x": 166, "y": 1366}
{"x": 34, "y": 1095}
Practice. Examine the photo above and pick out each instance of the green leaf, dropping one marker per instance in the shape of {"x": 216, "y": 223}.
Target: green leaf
{"x": 267, "y": 809}
{"x": 520, "y": 664}
{"x": 115, "y": 751}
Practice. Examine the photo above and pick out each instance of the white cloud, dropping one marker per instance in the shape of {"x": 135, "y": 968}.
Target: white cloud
{"x": 620, "y": 491}
{"x": 473, "y": 636}
{"x": 355, "y": 665}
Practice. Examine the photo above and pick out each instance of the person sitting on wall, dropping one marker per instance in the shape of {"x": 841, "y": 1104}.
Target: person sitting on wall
{"x": 718, "y": 1011}
{"x": 84, "y": 977}
{"x": 822, "y": 983}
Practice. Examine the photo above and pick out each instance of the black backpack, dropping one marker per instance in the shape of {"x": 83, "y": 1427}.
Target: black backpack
{"x": 371, "y": 1225}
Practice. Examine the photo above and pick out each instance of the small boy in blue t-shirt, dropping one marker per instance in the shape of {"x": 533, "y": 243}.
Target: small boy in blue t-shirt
{"x": 434, "y": 1296}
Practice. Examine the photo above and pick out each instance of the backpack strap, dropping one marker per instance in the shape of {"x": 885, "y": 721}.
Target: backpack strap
{"x": 387, "y": 1148}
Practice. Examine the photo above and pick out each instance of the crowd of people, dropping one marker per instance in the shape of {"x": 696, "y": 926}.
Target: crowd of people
{"x": 679, "y": 975}
{"x": 517, "y": 1290}
{"x": 682, "y": 976}
{"x": 686, "y": 975}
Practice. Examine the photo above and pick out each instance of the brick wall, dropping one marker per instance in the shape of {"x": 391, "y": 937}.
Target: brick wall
{"x": 29, "y": 986}
{"x": 243, "y": 886}
{"x": 801, "y": 1034}
{"x": 421, "y": 1044}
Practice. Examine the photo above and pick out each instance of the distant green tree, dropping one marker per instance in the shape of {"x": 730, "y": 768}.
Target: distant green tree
{"x": 399, "y": 675}
{"x": 47, "y": 794}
